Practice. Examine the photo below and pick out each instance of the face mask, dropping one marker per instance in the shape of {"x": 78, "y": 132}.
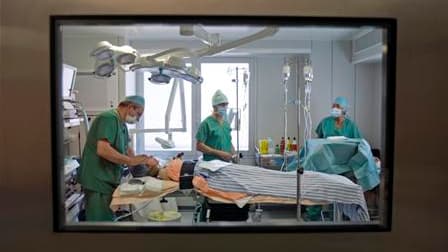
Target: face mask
{"x": 336, "y": 112}
{"x": 131, "y": 119}
{"x": 223, "y": 112}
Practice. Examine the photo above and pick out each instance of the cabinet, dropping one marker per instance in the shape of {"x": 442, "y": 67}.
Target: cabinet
{"x": 74, "y": 196}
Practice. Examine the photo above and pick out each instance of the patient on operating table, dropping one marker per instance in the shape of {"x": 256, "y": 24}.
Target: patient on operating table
{"x": 241, "y": 183}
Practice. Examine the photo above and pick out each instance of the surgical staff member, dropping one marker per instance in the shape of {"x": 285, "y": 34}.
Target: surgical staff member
{"x": 215, "y": 142}
{"x": 337, "y": 124}
{"x": 213, "y": 136}
{"x": 106, "y": 152}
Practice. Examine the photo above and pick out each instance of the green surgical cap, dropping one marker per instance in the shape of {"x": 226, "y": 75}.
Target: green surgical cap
{"x": 342, "y": 101}
{"x": 135, "y": 99}
{"x": 219, "y": 97}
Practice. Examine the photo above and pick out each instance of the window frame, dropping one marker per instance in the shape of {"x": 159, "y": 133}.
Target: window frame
{"x": 388, "y": 133}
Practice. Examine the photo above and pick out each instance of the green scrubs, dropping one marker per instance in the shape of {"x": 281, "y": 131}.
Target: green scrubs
{"x": 215, "y": 135}
{"x": 327, "y": 127}
{"x": 98, "y": 176}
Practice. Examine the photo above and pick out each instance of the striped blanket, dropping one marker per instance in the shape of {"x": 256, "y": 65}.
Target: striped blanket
{"x": 315, "y": 186}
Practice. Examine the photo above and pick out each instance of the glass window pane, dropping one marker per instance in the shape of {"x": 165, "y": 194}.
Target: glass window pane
{"x": 226, "y": 77}
{"x": 157, "y": 97}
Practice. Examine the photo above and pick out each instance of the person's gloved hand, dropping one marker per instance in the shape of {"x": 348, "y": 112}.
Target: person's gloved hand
{"x": 139, "y": 159}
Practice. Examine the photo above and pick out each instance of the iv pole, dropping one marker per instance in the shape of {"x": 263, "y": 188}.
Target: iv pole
{"x": 237, "y": 123}
{"x": 286, "y": 72}
{"x": 308, "y": 76}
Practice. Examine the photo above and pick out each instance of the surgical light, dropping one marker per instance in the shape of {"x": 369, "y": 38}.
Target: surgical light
{"x": 108, "y": 55}
{"x": 146, "y": 63}
{"x": 125, "y": 54}
{"x": 166, "y": 144}
{"x": 103, "y": 51}
{"x": 163, "y": 71}
{"x": 159, "y": 78}
{"x": 167, "y": 64}
{"x": 193, "y": 76}
{"x": 104, "y": 68}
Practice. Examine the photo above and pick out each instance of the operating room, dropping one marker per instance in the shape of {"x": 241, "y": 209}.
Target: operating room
{"x": 280, "y": 88}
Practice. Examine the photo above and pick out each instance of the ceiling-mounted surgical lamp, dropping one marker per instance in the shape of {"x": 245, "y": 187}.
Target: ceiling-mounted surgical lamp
{"x": 176, "y": 68}
{"x": 104, "y": 67}
{"x": 103, "y": 51}
{"x": 109, "y": 56}
{"x": 167, "y": 64}
{"x": 162, "y": 71}
{"x": 123, "y": 55}
{"x": 166, "y": 144}
{"x": 163, "y": 66}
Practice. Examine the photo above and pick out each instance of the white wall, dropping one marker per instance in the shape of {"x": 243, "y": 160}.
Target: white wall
{"x": 269, "y": 99}
{"x": 321, "y": 94}
{"x": 343, "y": 74}
{"x": 334, "y": 76}
{"x": 368, "y": 101}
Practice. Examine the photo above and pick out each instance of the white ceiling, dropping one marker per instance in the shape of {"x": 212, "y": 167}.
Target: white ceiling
{"x": 171, "y": 32}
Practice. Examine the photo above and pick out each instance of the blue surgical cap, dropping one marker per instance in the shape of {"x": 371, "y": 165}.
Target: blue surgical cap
{"x": 342, "y": 101}
{"x": 135, "y": 99}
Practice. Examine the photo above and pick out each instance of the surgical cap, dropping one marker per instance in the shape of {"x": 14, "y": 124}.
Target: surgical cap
{"x": 342, "y": 101}
{"x": 135, "y": 99}
{"x": 219, "y": 97}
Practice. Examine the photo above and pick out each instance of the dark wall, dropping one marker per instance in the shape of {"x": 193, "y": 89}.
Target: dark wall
{"x": 420, "y": 203}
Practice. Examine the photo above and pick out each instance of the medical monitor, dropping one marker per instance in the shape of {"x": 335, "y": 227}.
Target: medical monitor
{"x": 68, "y": 81}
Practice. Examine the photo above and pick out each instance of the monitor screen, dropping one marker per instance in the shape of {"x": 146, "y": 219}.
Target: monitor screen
{"x": 68, "y": 80}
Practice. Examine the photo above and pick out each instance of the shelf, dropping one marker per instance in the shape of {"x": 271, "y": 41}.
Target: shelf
{"x": 73, "y": 195}
{"x": 72, "y": 122}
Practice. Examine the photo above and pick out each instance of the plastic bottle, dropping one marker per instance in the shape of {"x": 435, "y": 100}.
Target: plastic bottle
{"x": 282, "y": 145}
{"x": 294, "y": 144}
{"x": 277, "y": 149}
{"x": 288, "y": 144}
{"x": 262, "y": 146}
{"x": 265, "y": 146}
{"x": 271, "y": 149}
